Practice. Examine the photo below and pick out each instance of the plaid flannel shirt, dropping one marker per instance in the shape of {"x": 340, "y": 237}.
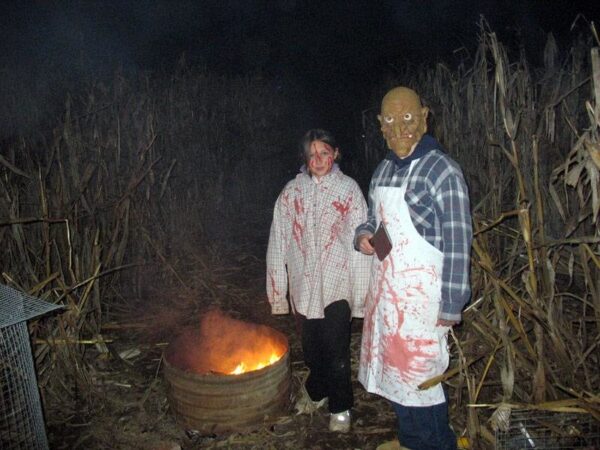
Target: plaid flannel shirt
{"x": 312, "y": 236}
{"x": 438, "y": 201}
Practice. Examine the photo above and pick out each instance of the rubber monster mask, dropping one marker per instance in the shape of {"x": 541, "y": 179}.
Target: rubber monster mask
{"x": 403, "y": 120}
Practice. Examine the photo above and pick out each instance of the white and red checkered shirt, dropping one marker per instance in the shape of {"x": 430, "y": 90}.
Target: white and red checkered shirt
{"x": 312, "y": 234}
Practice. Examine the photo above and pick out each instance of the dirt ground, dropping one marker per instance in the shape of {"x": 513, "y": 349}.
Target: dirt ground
{"x": 130, "y": 407}
{"x": 136, "y": 415}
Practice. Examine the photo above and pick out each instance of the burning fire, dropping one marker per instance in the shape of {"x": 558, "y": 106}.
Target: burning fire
{"x": 227, "y": 346}
{"x": 244, "y": 367}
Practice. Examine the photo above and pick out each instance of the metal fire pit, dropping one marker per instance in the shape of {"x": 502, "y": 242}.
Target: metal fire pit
{"x": 220, "y": 403}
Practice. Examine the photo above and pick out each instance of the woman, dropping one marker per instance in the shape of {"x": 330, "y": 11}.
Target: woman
{"x": 312, "y": 236}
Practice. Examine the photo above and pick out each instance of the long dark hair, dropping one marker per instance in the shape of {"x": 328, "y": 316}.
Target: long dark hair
{"x": 317, "y": 134}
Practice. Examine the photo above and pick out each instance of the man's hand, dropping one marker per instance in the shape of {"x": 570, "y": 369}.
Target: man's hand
{"x": 364, "y": 245}
{"x": 447, "y": 323}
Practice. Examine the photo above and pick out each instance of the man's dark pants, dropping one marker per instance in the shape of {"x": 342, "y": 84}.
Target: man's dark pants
{"x": 424, "y": 427}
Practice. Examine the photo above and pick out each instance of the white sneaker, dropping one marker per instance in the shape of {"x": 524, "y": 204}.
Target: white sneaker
{"x": 340, "y": 422}
{"x": 306, "y": 405}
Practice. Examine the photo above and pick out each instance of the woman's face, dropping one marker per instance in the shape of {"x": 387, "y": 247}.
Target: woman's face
{"x": 320, "y": 158}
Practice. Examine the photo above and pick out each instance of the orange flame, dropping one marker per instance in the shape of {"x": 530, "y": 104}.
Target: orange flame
{"x": 244, "y": 366}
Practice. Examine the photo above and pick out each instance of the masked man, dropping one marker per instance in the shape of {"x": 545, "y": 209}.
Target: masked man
{"x": 417, "y": 292}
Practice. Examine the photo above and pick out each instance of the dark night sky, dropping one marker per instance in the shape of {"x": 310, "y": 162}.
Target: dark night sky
{"x": 336, "y": 51}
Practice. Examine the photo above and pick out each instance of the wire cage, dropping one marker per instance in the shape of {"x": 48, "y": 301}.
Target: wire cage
{"x": 21, "y": 417}
{"x": 549, "y": 430}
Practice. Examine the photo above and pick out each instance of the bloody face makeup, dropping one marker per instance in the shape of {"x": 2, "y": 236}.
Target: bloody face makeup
{"x": 320, "y": 158}
{"x": 403, "y": 120}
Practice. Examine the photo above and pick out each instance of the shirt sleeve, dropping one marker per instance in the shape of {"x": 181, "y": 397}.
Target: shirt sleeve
{"x": 277, "y": 281}
{"x": 360, "y": 264}
{"x": 457, "y": 235}
{"x": 370, "y": 225}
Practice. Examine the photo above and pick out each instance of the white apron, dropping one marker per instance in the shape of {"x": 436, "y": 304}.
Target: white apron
{"x": 401, "y": 344}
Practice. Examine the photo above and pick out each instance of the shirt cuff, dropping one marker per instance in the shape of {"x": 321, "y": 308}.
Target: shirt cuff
{"x": 359, "y": 313}
{"x": 280, "y": 308}
{"x": 450, "y": 317}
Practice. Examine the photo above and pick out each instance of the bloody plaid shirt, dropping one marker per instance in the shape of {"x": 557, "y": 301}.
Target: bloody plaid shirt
{"x": 312, "y": 236}
{"x": 438, "y": 201}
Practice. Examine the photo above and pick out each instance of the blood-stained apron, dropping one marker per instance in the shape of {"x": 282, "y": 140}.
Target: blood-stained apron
{"x": 401, "y": 344}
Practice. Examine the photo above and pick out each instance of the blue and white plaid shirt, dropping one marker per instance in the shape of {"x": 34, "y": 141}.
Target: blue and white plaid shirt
{"x": 438, "y": 200}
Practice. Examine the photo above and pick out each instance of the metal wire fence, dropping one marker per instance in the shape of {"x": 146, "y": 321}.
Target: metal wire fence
{"x": 549, "y": 430}
{"x": 21, "y": 417}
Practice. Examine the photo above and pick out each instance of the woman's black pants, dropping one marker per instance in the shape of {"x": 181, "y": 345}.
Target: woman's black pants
{"x": 326, "y": 348}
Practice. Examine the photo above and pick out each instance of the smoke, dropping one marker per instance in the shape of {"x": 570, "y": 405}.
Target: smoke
{"x": 221, "y": 343}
